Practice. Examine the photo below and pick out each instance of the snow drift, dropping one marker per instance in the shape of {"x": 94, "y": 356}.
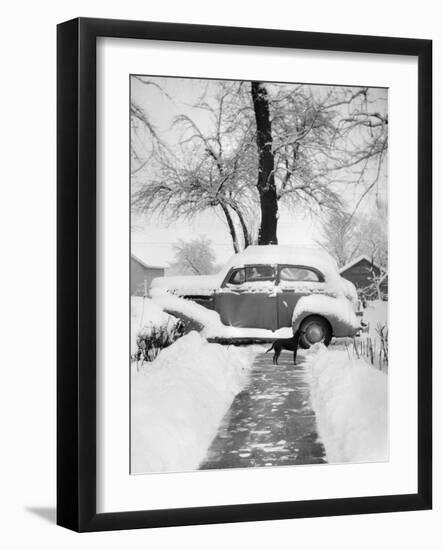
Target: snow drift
{"x": 350, "y": 400}
{"x": 179, "y": 400}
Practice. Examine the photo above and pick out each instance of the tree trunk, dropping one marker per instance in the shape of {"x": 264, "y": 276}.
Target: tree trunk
{"x": 265, "y": 183}
{"x": 246, "y": 237}
{"x": 231, "y": 226}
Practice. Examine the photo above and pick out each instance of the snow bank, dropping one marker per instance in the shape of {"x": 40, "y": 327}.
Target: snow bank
{"x": 350, "y": 400}
{"x": 338, "y": 310}
{"x": 208, "y": 321}
{"x": 179, "y": 400}
{"x": 145, "y": 314}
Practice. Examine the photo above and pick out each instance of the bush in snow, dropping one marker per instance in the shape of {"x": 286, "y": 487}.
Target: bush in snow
{"x": 382, "y": 331}
{"x": 151, "y": 341}
{"x": 374, "y": 343}
{"x": 374, "y": 348}
{"x": 151, "y": 329}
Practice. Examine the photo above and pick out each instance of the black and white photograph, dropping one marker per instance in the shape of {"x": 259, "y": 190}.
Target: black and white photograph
{"x": 228, "y": 331}
{"x": 259, "y": 289}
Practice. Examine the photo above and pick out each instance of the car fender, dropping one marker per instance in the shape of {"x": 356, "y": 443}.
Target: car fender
{"x": 339, "y": 312}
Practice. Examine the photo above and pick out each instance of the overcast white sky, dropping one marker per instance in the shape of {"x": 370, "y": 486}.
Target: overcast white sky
{"x": 152, "y": 238}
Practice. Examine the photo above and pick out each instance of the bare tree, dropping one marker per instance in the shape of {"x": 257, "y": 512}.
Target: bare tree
{"x": 265, "y": 145}
{"x": 327, "y": 139}
{"x": 212, "y": 171}
{"x": 313, "y": 142}
{"x": 195, "y": 257}
{"x": 145, "y": 138}
{"x": 378, "y": 275}
{"x": 340, "y": 237}
{"x": 375, "y": 245}
{"x": 345, "y": 237}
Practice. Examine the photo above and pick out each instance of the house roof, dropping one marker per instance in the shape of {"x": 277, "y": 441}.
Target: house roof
{"x": 357, "y": 261}
{"x": 148, "y": 266}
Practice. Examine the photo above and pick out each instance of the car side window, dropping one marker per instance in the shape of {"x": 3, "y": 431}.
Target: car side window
{"x": 237, "y": 277}
{"x": 295, "y": 274}
{"x": 256, "y": 273}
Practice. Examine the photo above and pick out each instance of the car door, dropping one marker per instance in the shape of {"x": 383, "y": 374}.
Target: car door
{"x": 295, "y": 281}
{"x": 248, "y": 297}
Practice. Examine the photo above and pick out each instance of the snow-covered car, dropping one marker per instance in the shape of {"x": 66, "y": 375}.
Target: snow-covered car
{"x": 277, "y": 286}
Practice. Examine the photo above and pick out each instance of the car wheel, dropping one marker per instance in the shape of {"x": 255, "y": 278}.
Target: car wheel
{"x": 314, "y": 329}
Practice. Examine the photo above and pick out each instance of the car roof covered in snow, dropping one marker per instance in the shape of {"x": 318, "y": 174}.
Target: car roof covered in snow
{"x": 285, "y": 254}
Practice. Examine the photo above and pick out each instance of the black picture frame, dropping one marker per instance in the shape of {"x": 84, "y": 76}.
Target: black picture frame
{"x": 76, "y": 279}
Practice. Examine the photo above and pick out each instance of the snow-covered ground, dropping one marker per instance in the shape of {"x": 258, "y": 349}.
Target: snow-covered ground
{"x": 350, "y": 400}
{"x": 179, "y": 400}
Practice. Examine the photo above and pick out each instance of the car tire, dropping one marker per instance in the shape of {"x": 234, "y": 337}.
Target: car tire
{"x": 315, "y": 329}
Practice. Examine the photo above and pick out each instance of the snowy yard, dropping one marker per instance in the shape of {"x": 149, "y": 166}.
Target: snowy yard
{"x": 179, "y": 400}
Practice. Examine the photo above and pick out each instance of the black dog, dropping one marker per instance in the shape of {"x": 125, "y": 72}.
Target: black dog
{"x": 290, "y": 344}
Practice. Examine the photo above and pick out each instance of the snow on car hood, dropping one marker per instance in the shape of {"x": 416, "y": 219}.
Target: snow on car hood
{"x": 197, "y": 285}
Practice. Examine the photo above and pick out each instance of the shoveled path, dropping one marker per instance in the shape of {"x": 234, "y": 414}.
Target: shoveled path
{"x": 270, "y": 422}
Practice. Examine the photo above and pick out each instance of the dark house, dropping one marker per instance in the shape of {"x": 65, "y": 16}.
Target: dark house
{"x": 142, "y": 275}
{"x": 370, "y": 279}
